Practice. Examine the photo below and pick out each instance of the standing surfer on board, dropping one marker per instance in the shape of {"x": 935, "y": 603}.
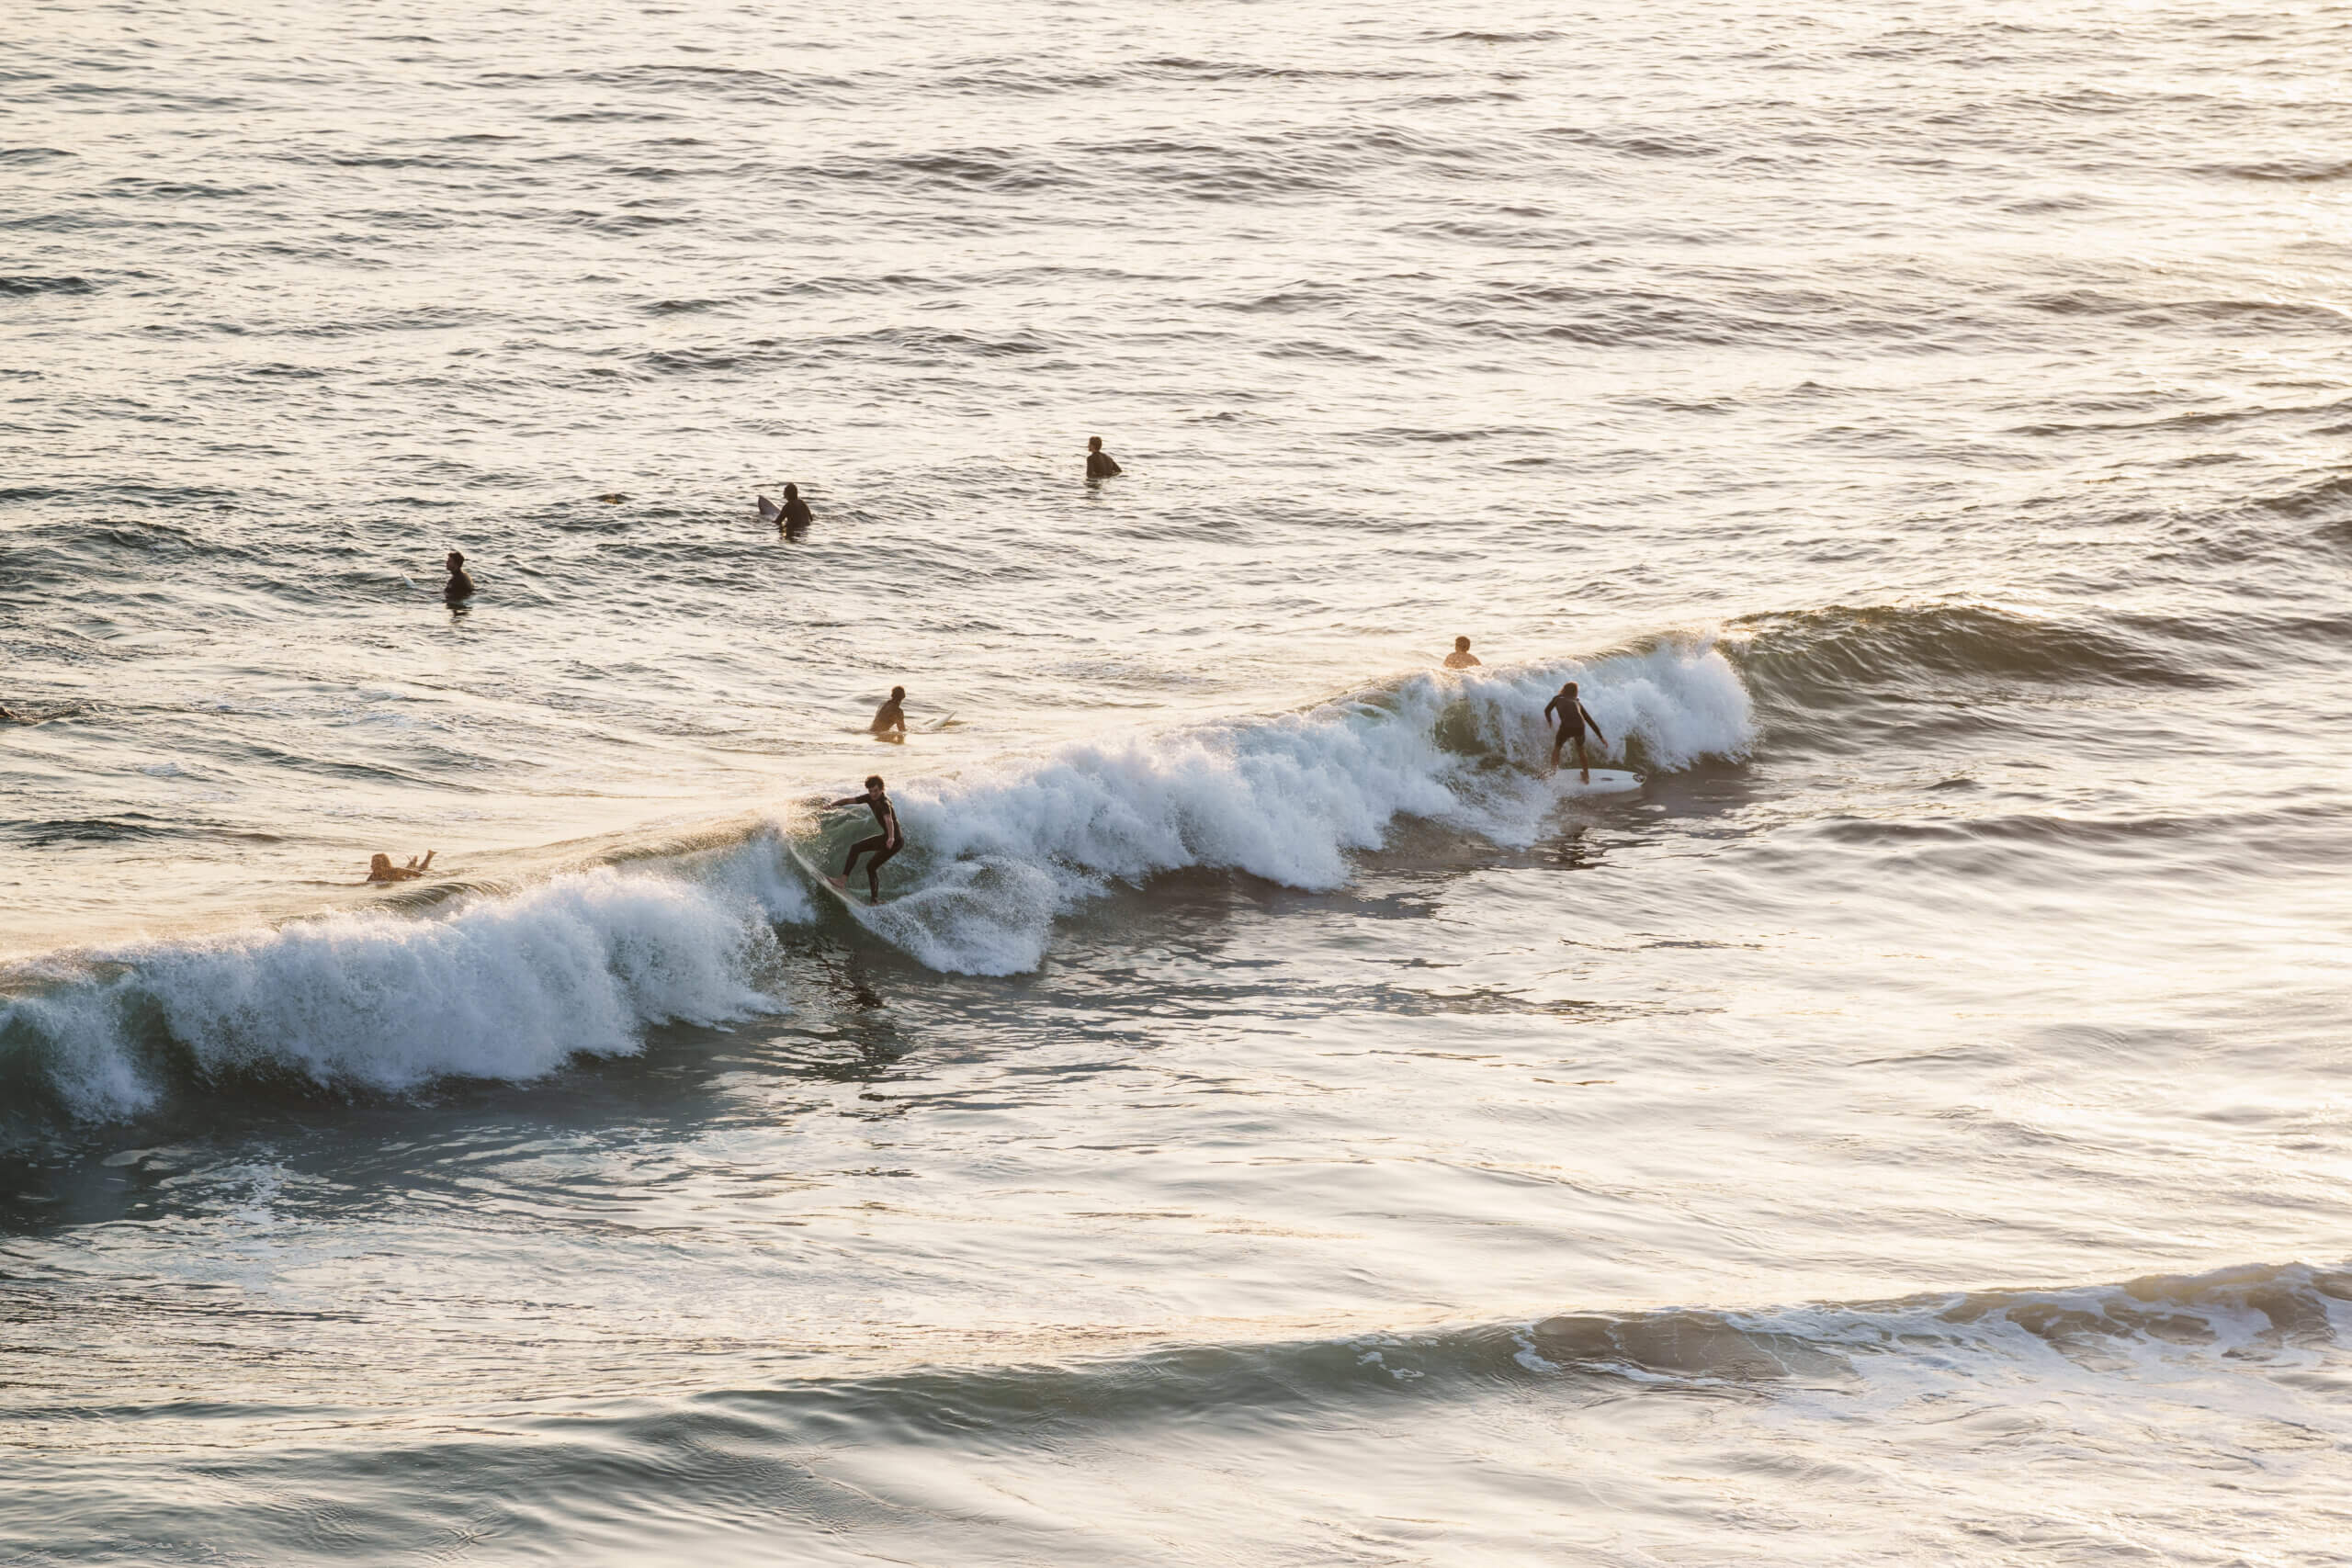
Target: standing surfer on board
{"x": 1572, "y": 718}
{"x": 890, "y": 718}
{"x": 1462, "y": 658}
{"x": 1098, "y": 463}
{"x": 881, "y": 846}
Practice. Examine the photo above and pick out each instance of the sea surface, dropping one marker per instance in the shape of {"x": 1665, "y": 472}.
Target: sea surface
{"x": 1901, "y": 1113}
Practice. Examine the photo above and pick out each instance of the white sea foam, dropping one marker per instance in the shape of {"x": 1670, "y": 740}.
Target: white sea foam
{"x": 500, "y": 987}
{"x": 512, "y": 986}
{"x": 1001, "y": 854}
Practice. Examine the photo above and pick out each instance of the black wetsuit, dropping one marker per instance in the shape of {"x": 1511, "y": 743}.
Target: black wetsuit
{"x": 797, "y": 515}
{"x": 1099, "y": 465}
{"x": 881, "y": 846}
{"x": 1573, "y": 720}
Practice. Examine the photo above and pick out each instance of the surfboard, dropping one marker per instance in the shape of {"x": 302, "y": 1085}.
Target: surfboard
{"x": 1605, "y": 781}
{"x": 829, "y": 883}
{"x": 770, "y": 512}
{"x": 934, "y": 728}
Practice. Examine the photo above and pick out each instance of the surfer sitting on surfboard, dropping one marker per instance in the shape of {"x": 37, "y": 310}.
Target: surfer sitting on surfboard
{"x": 1572, "y": 720}
{"x": 891, "y": 717}
{"x": 881, "y": 846}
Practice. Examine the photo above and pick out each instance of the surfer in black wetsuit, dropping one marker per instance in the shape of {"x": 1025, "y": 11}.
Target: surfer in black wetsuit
{"x": 881, "y": 846}
{"x": 1098, "y": 463}
{"x": 795, "y": 517}
{"x": 890, "y": 718}
{"x": 460, "y": 585}
{"x": 1573, "y": 720}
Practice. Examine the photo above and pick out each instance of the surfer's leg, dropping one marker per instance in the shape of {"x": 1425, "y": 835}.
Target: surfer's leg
{"x": 1584, "y": 763}
{"x": 874, "y": 845}
{"x": 874, "y": 871}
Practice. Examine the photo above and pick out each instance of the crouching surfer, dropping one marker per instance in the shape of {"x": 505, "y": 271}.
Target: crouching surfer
{"x": 881, "y": 846}
{"x": 1573, "y": 720}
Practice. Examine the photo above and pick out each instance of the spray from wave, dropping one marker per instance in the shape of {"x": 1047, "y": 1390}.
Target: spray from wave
{"x": 512, "y": 986}
{"x": 997, "y": 858}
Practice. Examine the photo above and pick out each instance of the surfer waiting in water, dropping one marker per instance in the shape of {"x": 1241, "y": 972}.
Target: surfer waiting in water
{"x": 795, "y": 516}
{"x": 890, "y": 718}
{"x": 881, "y": 846}
{"x": 1098, "y": 463}
{"x": 1573, "y": 720}
{"x": 1462, "y": 658}
{"x": 381, "y": 868}
{"x": 460, "y": 585}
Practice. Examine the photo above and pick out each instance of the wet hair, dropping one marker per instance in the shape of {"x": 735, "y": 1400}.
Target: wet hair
{"x": 1570, "y": 688}
{"x": 873, "y": 781}
{"x": 380, "y": 861}
{"x": 897, "y": 692}
{"x": 792, "y": 493}
{"x": 1094, "y": 444}
{"x": 456, "y": 558}
{"x": 1461, "y": 645}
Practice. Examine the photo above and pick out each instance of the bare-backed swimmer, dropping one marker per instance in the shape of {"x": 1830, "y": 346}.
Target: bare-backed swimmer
{"x": 881, "y": 846}
{"x": 890, "y": 718}
{"x": 1100, "y": 464}
{"x": 460, "y": 585}
{"x": 381, "y": 868}
{"x": 1573, "y": 720}
{"x": 1462, "y": 658}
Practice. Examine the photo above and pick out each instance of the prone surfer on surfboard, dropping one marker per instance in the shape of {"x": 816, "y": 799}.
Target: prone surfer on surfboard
{"x": 1572, "y": 718}
{"x": 881, "y": 846}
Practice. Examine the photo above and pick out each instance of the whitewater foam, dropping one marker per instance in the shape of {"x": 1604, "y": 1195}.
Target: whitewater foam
{"x": 997, "y": 857}
{"x": 511, "y": 985}
{"x": 503, "y": 987}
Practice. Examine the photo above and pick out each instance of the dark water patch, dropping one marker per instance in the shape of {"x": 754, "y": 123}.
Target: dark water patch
{"x": 30, "y": 156}
{"x": 24, "y": 284}
{"x": 2309, "y": 171}
{"x": 2327, "y": 500}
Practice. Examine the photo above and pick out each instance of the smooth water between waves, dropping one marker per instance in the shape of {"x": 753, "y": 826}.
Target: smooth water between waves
{"x": 1898, "y": 1114}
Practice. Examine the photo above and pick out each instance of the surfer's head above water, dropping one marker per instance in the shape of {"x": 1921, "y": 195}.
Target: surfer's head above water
{"x": 792, "y": 493}
{"x": 873, "y": 781}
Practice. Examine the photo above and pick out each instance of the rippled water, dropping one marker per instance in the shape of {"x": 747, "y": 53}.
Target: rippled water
{"x": 1271, "y": 1122}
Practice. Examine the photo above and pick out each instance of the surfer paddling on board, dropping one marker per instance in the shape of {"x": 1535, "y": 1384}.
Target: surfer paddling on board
{"x": 1573, "y": 721}
{"x": 1100, "y": 464}
{"x": 381, "y": 868}
{"x": 1462, "y": 658}
{"x": 881, "y": 846}
{"x": 890, "y": 718}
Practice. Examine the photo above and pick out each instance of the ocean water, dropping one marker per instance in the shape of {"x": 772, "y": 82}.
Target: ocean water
{"x": 1901, "y": 1114}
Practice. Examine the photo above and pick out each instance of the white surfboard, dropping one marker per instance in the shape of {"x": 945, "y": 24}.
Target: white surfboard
{"x": 770, "y": 512}
{"x": 832, "y": 885}
{"x": 1605, "y": 781}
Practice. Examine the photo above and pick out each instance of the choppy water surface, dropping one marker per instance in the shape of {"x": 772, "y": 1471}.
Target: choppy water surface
{"x": 1271, "y": 1122}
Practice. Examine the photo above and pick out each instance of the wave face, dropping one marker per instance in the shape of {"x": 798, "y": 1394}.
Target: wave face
{"x": 503, "y": 987}
{"x": 999, "y": 856}
{"x": 511, "y": 985}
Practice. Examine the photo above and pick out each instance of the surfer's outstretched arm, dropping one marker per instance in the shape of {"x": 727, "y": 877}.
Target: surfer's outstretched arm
{"x": 1595, "y": 723}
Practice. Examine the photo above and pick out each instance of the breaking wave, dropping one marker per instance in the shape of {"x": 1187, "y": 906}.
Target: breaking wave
{"x": 512, "y": 984}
